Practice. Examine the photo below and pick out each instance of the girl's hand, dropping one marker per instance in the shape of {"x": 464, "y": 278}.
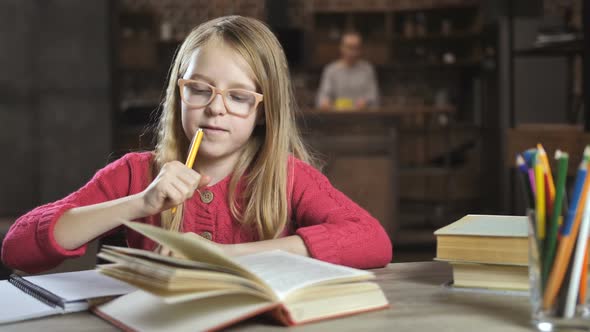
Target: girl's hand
{"x": 174, "y": 184}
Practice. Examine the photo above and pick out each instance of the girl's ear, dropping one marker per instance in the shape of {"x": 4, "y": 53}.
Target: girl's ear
{"x": 260, "y": 118}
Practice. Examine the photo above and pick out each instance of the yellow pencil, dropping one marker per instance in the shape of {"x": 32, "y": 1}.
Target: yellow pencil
{"x": 540, "y": 198}
{"x": 545, "y": 160}
{"x": 192, "y": 152}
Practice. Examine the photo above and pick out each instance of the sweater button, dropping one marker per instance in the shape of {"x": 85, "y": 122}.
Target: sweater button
{"x": 206, "y": 196}
{"x": 207, "y": 235}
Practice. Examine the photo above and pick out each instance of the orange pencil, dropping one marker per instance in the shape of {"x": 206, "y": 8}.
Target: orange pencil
{"x": 583, "y": 279}
{"x": 564, "y": 252}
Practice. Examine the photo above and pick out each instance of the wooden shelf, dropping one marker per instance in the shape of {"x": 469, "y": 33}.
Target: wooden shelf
{"x": 429, "y": 65}
{"x": 385, "y": 110}
{"x": 399, "y": 66}
{"x": 438, "y": 200}
{"x": 369, "y": 6}
{"x": 465, "y": 128}
{"x": 347, "y": 6}
{"x": 438, "y": 37}
{"x": 551, "y": 49}
{"x": 422, "y": 170}
{"x": 432, "y": 4}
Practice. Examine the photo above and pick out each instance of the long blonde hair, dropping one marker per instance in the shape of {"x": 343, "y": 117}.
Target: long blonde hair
{"x": 263, "y": 162}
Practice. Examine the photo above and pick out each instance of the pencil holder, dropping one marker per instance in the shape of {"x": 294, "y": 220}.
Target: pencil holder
{"x": 551, "y": 318}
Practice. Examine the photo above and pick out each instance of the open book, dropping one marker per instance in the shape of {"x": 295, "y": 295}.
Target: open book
{"x": 210, "y": 290}
{"x": 51, "y": 294}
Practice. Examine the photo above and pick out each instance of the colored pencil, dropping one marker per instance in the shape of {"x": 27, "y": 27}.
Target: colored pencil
{"x": 569, "y": 233}
{"x": 192, "y": 152}
{"x": 553, "y": 228}
{"x": 584, "y": 278}
{"x": 550, "y": 195}
{"x": 578, "y": 260}
{"x": 523, "y": 175}
{"x": 540, "y": 201}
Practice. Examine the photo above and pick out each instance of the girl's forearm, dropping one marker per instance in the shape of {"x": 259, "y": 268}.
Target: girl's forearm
{"x": 293, "y": 244}
{"x": 80, "y": 225}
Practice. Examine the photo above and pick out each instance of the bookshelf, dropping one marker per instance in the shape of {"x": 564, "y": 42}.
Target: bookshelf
{"x": 438, "y": 147}
{"x": 145, "y": 37}
{"x": 398, "y": 33}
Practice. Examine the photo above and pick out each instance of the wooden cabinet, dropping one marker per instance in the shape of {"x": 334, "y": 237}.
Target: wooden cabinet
{"x": 360, "y": 153}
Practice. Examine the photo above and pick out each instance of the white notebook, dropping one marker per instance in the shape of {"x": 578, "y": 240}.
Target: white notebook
{"x": 24, "y": 298}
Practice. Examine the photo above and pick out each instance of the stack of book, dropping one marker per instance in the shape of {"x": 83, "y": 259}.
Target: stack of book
{"x": 486, "y": 251}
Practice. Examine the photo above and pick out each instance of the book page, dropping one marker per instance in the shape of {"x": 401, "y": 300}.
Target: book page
{"x": 17, "y": 305}
{"x": 132, "y": 253}
{"x": 192, "y": 247}
{"x": 336, "y": 300}
{"x": 286, "y": 272}
{"x": 282, "y": 271}
{"x": 141, "y": 311}
{"x": 81, "y": 285}
{"x": 509, "y": 292}
{"x": 487, "y": 225}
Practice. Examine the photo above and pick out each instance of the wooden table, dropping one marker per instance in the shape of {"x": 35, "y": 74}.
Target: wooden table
{"x": 418, "y": 303}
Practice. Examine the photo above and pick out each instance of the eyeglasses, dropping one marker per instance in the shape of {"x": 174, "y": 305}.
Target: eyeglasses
{"x": 239, "y": 102}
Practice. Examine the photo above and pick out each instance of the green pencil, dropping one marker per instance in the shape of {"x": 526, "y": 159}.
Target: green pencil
{"x": 551, "y": 241}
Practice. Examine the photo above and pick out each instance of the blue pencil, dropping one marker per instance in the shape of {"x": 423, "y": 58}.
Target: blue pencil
{"x": 529, "y": 157}
{"x": 524, "y": 179}
{"x": 577, "y": 192}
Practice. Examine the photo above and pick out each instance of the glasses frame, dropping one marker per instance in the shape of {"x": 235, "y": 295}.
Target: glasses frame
{"x": 217, "y": 91}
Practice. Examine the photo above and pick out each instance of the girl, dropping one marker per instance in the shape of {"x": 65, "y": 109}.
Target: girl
{"x": 257, "y": 190}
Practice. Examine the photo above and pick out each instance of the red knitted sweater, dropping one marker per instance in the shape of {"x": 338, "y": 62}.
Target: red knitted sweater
{"x": 333, "y": 228}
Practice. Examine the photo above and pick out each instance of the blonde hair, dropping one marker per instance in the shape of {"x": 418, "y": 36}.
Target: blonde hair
{"x": 263, "y": 162}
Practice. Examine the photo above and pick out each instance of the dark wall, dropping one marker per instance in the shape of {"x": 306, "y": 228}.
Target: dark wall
{"x": 55, "y": 103}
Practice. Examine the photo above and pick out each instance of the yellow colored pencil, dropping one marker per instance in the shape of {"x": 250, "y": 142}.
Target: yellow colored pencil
{"x": 540, "y": 198}
{"x": 545, "y": 160}
{"x": 192, "y": 152}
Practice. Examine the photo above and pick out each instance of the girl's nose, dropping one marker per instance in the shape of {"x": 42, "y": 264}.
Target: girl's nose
{"x": 217, "y": 107}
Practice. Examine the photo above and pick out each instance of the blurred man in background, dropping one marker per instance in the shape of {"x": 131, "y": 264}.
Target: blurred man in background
{"x": 349, "y": 82}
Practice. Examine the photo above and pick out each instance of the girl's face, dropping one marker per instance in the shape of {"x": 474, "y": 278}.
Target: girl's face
{"x": 225, "y": 134}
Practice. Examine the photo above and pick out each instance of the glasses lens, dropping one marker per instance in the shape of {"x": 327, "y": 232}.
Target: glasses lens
{"x": 240, "y": 101}
{"x": 197, "y": 93}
